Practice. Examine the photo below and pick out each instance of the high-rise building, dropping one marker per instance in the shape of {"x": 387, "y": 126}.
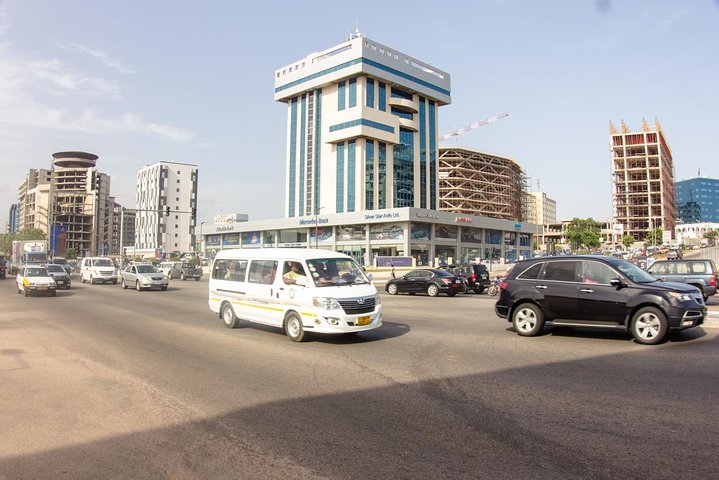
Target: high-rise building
{"x": 543, "y": 210}
{"x": 643, "y": 195}
{"x": 12, "y": 219}
{"x": 698, "y": 200}
{"x": 166, "y": 202}
{"x": 70, "y": 203}
{"x": 362, "y": 129}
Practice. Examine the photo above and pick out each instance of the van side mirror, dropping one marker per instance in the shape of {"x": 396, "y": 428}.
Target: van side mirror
{"x": 301, "y": 281}
{"x": 369, "y": 277}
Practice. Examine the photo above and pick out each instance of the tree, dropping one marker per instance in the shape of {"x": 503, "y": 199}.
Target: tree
{"x": 70, "y": 253}
{"x": 655, "y": 237}
{"x": 584, "y": 232}
{"x": 627, "y": 241}
{"x": 711, "y": 234}
{"x": 6, "y": 239}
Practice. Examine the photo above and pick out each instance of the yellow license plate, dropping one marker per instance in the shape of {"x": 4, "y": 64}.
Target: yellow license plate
{"x": 363, "y": 321}
{"x": 42, "y": 287}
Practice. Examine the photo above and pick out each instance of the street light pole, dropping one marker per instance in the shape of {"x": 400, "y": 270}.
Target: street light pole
{"x": 317, "y": 224}
{"x": 202, "y": 239}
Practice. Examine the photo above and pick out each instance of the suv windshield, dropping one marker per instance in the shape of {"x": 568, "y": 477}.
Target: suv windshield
{"x": 634, "y": 273}
{"x": 327, "y": 272}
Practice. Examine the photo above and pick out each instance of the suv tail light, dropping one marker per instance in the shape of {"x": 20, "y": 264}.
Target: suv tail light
{"x": 713, "y": 280}
{"x": 503, "y": 285}
{"x": 474, "y": 277}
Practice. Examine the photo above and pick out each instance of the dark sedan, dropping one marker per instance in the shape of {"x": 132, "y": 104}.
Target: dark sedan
{"x": 426, "y": 280}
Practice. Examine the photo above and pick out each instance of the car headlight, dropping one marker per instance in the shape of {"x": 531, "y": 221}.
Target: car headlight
{"x": 326, "y": 303}
{"x": 682, "y": 297}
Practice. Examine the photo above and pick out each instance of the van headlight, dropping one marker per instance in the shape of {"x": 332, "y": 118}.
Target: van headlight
{"x": 682, "y": 297}
{"x": 377, "y": 301}
{"x": 326, "y": 303}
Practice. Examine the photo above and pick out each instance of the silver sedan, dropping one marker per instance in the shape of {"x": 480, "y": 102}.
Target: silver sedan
{"x": 143, "y": 276}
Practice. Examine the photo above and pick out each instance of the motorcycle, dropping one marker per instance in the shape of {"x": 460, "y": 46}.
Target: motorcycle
{"x": 493, "y": 288}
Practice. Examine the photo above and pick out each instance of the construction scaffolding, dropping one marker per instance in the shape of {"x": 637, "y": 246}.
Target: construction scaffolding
{"x": 481, "y": 184}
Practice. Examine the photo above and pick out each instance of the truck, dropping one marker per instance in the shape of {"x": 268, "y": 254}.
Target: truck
{"x": 25, "y": 252}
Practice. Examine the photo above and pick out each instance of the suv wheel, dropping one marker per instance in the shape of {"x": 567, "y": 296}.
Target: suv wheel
{"x": 527, "y": 319}
{"x": 649, "y": 326}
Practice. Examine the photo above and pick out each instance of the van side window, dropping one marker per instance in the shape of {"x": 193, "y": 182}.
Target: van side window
{"x": 261, "y": 271}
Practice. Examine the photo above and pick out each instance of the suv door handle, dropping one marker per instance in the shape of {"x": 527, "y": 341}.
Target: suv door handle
{"x": 587, "y": 290}
{"x": 541, "y": 286}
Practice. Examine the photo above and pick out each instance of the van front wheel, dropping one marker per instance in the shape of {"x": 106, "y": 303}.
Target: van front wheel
{"x": 228, "y": 316}
{"x": 293, "y": 327}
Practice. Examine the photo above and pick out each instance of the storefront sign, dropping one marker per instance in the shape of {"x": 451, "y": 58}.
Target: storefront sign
{"x": 463, "y": 219}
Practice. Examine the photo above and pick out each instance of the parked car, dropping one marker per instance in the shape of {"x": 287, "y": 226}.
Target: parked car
{"x": 181, "y": 270}
{"x": 34, "y": 279}
{"x": 701, "y": 273}
{"x": 61, "y": 276}
{"x": 596, "y": 292}
{"x": 475, "y": 276}
{"x": 426, "y": 280}
{"x": 143, "y": 276}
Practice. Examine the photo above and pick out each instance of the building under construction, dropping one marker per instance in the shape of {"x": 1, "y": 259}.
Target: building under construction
{"x": 482, "y": 184}
{"x": 643, "y": 192}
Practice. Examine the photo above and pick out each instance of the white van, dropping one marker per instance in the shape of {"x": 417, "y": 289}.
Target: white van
{"x": 298, "y": 290}
{"x": 98, "y": 270}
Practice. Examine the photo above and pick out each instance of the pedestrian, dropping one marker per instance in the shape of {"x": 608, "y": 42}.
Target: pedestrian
{"x": 392, "y": 273}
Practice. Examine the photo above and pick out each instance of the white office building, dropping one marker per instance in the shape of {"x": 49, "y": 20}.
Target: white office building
{"x": 166, "y": 207}
{"x": 362, "y": 166}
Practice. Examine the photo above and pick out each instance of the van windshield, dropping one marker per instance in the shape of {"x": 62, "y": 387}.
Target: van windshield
{"x": 102, "y": 262}
{"x": 328, "y": 272}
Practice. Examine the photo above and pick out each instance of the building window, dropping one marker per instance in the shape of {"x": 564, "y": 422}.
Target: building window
{"x": 403, "y": 155}
{"x": 396, "y": 93}
{"x": 369, "y": 175}
{"x": 293, "y": 157}
{"x": 351, "y": 176}
{"x": 422, "y": 154}
{"x": 370, "y": 93}
{"x": 341, "y": 96}
{"x": 382, "y": 97}
{"x": 353, "y": 92}
{"x": 382, "y": 176}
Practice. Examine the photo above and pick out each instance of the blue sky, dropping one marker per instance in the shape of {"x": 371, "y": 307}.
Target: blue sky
{"x": 137, "y": 82}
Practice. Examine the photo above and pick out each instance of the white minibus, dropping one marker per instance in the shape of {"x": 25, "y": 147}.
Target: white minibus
{"x": 299, "y": 290}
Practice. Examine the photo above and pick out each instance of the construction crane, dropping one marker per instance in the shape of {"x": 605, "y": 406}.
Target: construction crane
{"x": 472, "y": 126}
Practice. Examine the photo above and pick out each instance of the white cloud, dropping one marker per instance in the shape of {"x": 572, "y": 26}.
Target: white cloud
{"x": 48, "y": 94}
{"x": 104, "y": 58}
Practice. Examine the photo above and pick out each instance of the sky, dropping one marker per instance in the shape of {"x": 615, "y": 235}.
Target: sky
{"x": 141, "y": 81}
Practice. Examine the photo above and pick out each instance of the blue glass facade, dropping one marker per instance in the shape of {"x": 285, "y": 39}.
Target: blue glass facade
{"x": 362, "y": 121}
{"x": 341, "y": 100}
{"x": 698, "y": 200}
{"x": 403, "y": 156}
{"x": 293, "y": 158}
{"x": 369, "y": 175}
{"x": 339, "y": 201}
{"x": 303, "y": 138}
{"x": 422, "y": 153}
{"x": 432, "y": 156}
{"x": 401, "y": 113}
{"x": 370, "y": 93}
{"x": 318, "y": 143}
{"x": 397, "y": 93}
{"x": 382, "y": 175}
{"x": 353, "y": 92}
{"x": 382, "y": 97}
{"x": 351, "y": 168}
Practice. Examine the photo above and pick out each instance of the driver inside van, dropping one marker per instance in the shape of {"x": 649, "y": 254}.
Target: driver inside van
{"x": 293, "y": 272}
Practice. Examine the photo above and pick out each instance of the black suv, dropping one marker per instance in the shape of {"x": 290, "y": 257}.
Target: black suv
{"x": 475, "y": 276}
{"x": 599, "y": 292}
{"x": 698, "y": 272}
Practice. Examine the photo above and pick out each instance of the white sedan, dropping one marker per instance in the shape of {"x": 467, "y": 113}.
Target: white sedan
{"x": 34, "y": 279}
{"x": 144, "y": 276}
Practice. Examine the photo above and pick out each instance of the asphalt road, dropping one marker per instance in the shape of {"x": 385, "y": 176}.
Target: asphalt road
{"x": 101, "y": 382}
